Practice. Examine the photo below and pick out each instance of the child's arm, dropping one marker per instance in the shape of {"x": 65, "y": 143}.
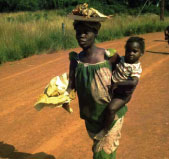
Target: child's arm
{"x": 129, "y": 82}
{"x": 127, "y": 87}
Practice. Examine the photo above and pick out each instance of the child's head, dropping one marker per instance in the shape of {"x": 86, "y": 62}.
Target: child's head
{"x": 86, "y": 32}
{"x": 134, "y": 49}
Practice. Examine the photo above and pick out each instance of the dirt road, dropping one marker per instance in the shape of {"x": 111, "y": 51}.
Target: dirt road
{"x": 24, "y": 132}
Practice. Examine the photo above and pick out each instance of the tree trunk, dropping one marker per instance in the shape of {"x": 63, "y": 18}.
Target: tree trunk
{"x": 162, "y": 10}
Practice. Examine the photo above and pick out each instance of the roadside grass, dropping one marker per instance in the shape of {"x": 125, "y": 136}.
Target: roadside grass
{"x": 24, "y": 34}
{"x": 121, "y": 26}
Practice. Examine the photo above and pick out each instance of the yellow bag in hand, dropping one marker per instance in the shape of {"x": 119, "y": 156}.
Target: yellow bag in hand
{"x": 57, "y": 85}
{"x": 55, "y": 94}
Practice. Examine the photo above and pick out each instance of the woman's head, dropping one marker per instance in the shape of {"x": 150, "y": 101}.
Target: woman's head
{"x": 86, "y": 32}
{"x": 134, "y": 49}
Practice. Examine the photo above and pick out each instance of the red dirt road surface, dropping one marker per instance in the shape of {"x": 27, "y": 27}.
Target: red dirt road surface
{"x": 27, "y": 133}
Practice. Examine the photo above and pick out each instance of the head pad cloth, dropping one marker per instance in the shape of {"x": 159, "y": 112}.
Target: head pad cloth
{"x": 93, "y": 25}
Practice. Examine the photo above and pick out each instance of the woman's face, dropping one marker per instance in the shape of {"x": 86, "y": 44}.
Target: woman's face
{"x": 85, "y": 36}
{"x": 133, "y": 52}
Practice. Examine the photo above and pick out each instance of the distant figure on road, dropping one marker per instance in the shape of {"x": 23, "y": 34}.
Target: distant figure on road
{"x": 166, "y": 34}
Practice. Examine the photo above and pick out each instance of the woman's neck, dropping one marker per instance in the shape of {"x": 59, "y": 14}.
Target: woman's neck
{"x": 89, "y": 51}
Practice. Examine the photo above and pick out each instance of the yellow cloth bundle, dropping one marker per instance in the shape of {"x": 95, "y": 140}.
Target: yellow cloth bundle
{"x": 55, "y": 94}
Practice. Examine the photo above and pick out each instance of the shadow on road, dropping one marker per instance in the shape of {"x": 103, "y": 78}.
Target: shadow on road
{"x": 9, "y": 152}
{"x": 160, "y": 40}
{"x": 164, "y": 53}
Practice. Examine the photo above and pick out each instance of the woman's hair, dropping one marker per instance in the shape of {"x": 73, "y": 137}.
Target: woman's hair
{"x": 138, "y": 40}
{"x": 95, "y": 26}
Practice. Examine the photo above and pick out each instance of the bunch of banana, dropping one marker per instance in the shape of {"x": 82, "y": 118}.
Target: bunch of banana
{"x": 79, "y": 9}
{"x": 83, "y": 10}
{"x": 55, "y": 94}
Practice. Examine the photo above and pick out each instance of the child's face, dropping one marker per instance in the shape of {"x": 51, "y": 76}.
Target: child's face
{"x": 85, "y": 36}
{"x": 133, "y": 52}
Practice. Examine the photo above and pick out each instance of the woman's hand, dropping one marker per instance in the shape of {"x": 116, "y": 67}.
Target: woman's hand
{"x": 67, "y": 107}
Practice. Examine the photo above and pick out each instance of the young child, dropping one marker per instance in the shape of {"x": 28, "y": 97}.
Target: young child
{"x": 127, "y": 71}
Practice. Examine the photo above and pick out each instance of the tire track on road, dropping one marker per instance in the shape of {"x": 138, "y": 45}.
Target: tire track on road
{"x": 49, "y": 62}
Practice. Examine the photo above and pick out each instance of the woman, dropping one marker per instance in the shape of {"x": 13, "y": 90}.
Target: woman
{"x": 90, "y": 75}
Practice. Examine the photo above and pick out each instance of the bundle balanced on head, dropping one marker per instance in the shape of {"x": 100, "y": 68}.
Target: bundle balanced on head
{"x": 104, "y": 82}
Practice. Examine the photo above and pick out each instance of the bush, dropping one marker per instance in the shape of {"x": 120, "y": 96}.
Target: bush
{"x": 28, "y": 5}
{"x": 48, "y": 4}
{"x": 151, "y": 9}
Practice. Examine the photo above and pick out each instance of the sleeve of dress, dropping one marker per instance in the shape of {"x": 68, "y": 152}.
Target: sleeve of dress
{"x": 73, "y": 56}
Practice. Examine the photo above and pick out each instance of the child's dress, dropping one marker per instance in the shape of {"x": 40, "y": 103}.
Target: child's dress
{"x": 125, "y": 71}
{"x": 93, "y": 85}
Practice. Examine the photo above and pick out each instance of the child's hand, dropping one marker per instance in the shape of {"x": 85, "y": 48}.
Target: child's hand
{"x": 72, "y": 94}
{"x": 114, "y": 86}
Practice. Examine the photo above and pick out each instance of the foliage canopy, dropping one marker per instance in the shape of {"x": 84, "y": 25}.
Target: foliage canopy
{"x": 106, "y": 6}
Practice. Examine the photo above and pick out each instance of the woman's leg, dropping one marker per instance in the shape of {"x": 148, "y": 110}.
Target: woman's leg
{"x": 105, "y": 145}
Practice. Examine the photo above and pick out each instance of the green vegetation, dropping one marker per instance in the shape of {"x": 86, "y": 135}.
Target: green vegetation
{"x": 106, "y": 6}
{"x": 26, "y": 33}
{"x": 129, "y": 25}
